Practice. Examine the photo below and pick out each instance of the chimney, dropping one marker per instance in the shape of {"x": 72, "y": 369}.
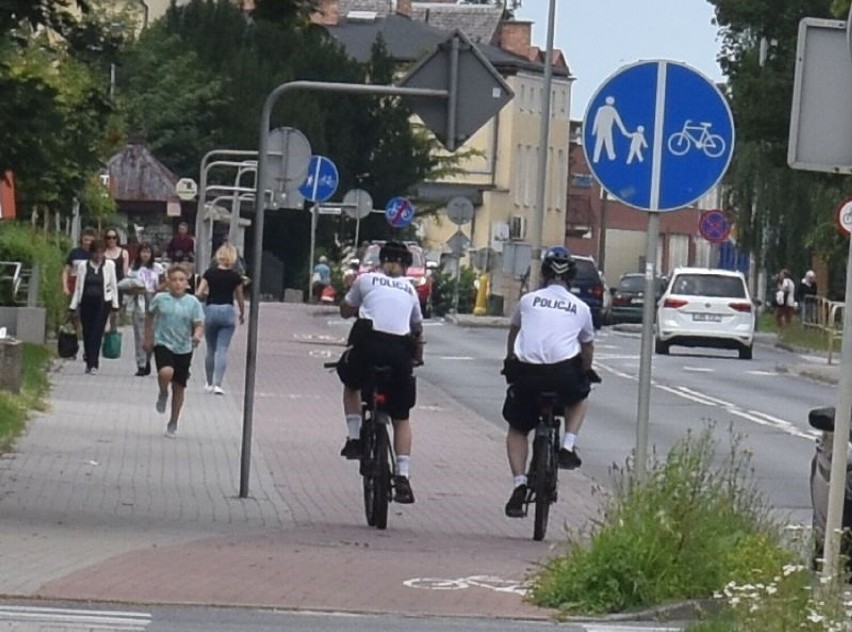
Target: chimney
{"x": 328, "y": 13}
{"x": 403, "y": 7}
{"x": 515, "y": 36}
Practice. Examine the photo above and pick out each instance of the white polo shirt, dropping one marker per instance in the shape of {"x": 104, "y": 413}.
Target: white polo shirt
{"x": 391, "y": 303}
{"x": 554, "y": 323}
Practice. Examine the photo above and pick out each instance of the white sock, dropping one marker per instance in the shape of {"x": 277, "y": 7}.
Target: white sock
{"x": 353, "y": 423}
{"x": 569, "y": 441}
{"x": 521, "y": 479}
{"x": 403, "y": 465}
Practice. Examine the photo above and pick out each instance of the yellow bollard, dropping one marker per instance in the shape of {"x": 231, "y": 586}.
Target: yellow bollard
{"x": 480, "y": 309}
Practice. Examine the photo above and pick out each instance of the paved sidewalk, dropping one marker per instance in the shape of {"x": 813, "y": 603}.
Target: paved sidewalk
{"x": 96, "y": 504}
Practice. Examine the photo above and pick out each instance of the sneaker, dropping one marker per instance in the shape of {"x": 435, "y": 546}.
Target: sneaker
{"x": 162, "y": 398}
{"x": 140, "y": 371}
{"x": 402, "y": 490}
{"x": 171, "y": 431}
{"x": 93, "y": 371}
{"x": 352, "y": 449}
{"x": 569, "y": 459}
{"x": 515, "y": 506}
{"x": 88, "y": 370}
{"x": 217, "y": 390}
{"x": 208, "y": 388}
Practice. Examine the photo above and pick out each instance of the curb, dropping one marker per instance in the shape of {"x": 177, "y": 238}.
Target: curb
{"x": 690, "y": 610}
{"x": 467, "y": 320}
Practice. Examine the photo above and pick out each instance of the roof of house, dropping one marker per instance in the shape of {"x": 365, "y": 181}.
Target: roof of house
{"x": 409, "y": 40}
{"x": 136, "y": 175}
{"x": 478, "y": 21}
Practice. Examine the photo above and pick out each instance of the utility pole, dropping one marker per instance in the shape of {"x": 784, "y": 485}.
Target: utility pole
{"x": 602, "y": 229}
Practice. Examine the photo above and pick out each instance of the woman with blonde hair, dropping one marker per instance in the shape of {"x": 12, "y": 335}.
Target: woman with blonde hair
{"x": 221, "y": 286}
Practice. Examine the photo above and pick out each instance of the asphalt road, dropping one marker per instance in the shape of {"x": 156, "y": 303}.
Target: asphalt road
{"x": 690, "y": 388}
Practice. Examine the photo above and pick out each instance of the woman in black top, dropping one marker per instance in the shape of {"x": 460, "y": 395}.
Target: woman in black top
{"x": 221, "y": 286}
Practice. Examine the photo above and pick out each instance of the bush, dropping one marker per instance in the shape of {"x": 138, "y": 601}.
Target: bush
{"x": 687, "y": 529}
{"x": 443, "y": 288}
{"x": 19, "y": 242}
{"x": 34, "y": 387}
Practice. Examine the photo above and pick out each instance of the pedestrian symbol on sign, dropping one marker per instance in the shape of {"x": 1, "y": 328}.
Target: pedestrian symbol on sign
{"x": 607, "y": 116}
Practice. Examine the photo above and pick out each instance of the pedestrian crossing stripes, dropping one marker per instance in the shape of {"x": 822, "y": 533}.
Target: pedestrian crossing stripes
{"x": 36, "y": 619}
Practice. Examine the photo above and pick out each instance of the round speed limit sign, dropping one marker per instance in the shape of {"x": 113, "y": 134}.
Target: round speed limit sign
{"x": 844, "y": 217}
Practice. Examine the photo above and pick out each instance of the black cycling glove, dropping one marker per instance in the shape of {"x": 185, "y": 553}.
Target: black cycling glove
{"x": 593, "y": 376}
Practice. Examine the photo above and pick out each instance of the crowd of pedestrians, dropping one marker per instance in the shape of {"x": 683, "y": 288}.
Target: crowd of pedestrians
{"x": 103, "y": 284}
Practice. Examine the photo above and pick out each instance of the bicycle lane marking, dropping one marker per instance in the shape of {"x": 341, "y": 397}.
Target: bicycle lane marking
{"x": 487, "y": 582}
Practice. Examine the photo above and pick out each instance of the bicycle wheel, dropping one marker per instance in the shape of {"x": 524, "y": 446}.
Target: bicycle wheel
{"x": 542, "y": 486}
{"x": 368, "y": 469}
{"x": 381, "y": 477}
{"x": 679, "y": 143}
{"x": 714, "y": 146}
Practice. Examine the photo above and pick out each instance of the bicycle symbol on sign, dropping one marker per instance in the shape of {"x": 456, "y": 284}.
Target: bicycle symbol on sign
{"x": 489, "y": 582}
{"x": 697, "y": 136}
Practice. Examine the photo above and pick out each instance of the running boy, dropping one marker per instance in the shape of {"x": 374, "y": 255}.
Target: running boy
{"x": 174, "y": 326}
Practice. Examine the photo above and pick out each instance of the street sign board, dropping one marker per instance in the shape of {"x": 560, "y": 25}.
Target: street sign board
{"x": 323, "y": 209}
{"x": 844, "y": 217}
{"x": 186, "y": 189}
{"x": 458, "y": 243}
{"x": 658, "y": 135}
{"x": 287, "y": 160}
{"x": 821, "y": 117}
{"x": 399, "y": 212}
{"x": 358, "y": 203}
{"x": 322, "y": 180}
{"x": 714, "y": 226}
{"x": 460, "y": 210}
{"x": 480, "y": 91}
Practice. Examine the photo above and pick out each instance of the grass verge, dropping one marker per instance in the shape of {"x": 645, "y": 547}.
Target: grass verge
{"x": 796, "y": 335}
{"x": 688, "y": 529}
{"x": 35, "y": 384}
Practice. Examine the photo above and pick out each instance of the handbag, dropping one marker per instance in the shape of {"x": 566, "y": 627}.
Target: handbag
{"x": 67, "y": 344}
{"x": 112, "y": 345}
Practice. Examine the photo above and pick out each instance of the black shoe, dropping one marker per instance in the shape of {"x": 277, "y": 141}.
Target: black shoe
{"x": 569, "y": 459}
{"x": 140, "y": 371}
{"x": 147, "y": 368}
{"x": 352, "y": 449}
{"x": 515, "y": 506}
{"x": 402, "y": 490}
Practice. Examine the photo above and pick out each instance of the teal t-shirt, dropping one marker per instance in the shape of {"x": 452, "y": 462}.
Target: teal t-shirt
{"x": 174, "y": 320}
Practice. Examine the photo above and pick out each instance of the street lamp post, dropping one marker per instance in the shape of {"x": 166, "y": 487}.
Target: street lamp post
{"x": 543, "y": 146}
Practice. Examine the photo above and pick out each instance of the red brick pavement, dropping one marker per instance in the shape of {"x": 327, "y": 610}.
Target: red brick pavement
{"x": 325, "y": 557}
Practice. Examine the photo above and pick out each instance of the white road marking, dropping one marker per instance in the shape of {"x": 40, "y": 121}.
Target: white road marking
{"x": 765, "y": 373}
{"x": 456, "y": 358}
{"x": 76, "y": 619}
{"x": 625, "y": 628}
{"x": 605, "y": 356}
{"x": 489, "y": 582}
{"x": 699, "y": 369}
{"x": 720, "y": 402}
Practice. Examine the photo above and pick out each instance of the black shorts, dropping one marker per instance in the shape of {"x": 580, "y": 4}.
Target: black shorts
{"x": 180, "y": 362}
{"x": 567, "y": 379}
{"x": 381, "y": 349}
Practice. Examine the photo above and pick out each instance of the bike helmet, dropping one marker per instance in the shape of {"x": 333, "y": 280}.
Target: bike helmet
{"x": 557, "y": 262}
{"x": 395, "y": 251}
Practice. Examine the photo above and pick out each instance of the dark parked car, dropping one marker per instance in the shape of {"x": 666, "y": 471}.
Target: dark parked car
{"x": 589, "y": 287}
{"x": 823, "y": 419}
{"x": 628, "y": 297}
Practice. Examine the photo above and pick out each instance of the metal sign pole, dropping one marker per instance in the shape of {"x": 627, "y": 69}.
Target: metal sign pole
{"x": 644, "y": 408}
{"x": 456, "y": 285}
{"x": 357, "y": 231}
{"x": 314, "y": 213}
{"x": 837, "y": 480}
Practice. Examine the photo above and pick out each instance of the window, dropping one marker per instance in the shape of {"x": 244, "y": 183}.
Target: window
{"x": 710, "y": 285}
{"x": 523, "y": 98}
{"x": 520, "y": 170}
{"x": 562, "y": 179}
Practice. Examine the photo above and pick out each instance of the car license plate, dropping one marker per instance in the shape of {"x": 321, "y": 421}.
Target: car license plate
{"x": 575, "y": 290}
{"x": 707, "y": 318}
{"x": 637, "y": 301}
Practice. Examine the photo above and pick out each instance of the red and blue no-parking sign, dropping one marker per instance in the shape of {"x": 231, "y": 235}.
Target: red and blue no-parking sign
{"x": 399, "y": 212}
{"x": 714, "y": 226}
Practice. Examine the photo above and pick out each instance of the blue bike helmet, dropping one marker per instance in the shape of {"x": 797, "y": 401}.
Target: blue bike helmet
{"x": 395, "y": 251}
{"x": 557, "y": 263}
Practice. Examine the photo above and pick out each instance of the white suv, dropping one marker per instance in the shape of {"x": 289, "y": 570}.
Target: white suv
{"x": 706, "y": 308}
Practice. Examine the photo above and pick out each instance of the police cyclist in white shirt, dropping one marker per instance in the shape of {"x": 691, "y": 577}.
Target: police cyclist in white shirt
{"x": 549, "y": 348}
{"x": 388, "y": 333}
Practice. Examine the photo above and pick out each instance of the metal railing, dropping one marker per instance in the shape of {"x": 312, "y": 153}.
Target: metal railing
{"x": 826, "y": 316}
{"x": 10, "y": 280}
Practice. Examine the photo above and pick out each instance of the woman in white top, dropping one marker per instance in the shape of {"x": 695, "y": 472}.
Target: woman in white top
{"x": 785, "y": 299}
{"x": 147, "y": 276}
{"x": 95, "y": 296}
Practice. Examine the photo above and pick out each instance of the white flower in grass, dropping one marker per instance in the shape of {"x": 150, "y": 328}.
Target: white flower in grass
{"x": 771, "y": 589}
{"x": 815, "y": 617}
{"x": 825, "y": 579}
{"x": 734, "y": 601}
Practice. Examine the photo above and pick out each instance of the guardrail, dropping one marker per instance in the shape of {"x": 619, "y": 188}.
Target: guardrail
{"x": 10, "y": 277}
{"x": 827, "y": 316}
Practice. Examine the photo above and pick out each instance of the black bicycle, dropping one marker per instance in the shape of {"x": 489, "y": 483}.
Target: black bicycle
{"x": 542, "y": 477}
{"x": 377, "y": 463}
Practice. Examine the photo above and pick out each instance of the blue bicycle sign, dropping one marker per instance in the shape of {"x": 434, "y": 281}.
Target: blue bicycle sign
{"x": 699, "y": 137}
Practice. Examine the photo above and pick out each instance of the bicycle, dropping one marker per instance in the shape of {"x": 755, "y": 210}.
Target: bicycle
{"x": 543, "y": 473}
{"x": 713, "y": 145}
{"x": 377, "y": 464}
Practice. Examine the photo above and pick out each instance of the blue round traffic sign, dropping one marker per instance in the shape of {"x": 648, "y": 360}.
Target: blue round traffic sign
{"x": 322, "y": 180}
{"x": 658, "y": 135}
{"x": 399, "y": 212}
{"x": 714, "y": 226}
